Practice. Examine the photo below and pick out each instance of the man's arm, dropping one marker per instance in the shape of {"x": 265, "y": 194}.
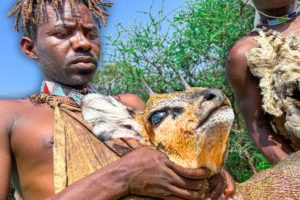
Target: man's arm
{"x": 248, "y": 96}
{"x": 136, "y": 174}
{"x": 152, "y": 175}
{"x": 6, "y": 122}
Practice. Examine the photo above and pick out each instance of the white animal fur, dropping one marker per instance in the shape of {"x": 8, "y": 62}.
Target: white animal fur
{"x": 109, "y": 117}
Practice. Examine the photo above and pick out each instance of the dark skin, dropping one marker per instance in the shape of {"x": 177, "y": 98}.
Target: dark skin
{"x": 68, "y": 54}
{"x": 246, "y": 87}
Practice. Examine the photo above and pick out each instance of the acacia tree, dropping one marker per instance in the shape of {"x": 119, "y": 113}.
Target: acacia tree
{"x": 195, "y": 45}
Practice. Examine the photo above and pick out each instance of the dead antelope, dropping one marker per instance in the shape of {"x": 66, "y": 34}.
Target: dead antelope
{"x": 192, "y": 128}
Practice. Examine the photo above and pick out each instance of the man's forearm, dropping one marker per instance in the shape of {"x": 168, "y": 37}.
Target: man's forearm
{"x": 106, "y": 183}
{"x": 272, "y": 146}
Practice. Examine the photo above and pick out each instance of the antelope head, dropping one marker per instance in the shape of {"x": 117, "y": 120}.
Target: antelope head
{"x": 191, "y": 127}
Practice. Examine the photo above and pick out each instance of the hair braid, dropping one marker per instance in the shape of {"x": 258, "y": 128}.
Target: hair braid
{"x": 30, "y": 12}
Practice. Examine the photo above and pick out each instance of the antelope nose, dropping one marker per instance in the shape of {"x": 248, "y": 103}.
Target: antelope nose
{"x": 213, "y": 95}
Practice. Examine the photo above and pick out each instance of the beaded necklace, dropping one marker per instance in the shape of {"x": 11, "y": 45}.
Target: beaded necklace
{"x": 273, "y": 20}
{"x": 57, "y": 89}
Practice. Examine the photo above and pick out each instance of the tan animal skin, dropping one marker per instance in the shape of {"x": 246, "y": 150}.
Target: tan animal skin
{"x": 192, "y": 128}
{"x": 276, "y": 63}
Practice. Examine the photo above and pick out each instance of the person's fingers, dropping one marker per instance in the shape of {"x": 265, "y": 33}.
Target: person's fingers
{"x": 173, "y": 198}
{"x": 200, "y": 173}
{"x": 191, "y": 184}
{"x": 156, "y": 176}
{"x": 187, "y": 194}
{"x": 230, "y": 188}
{"x": 218, "y": 185}
{"x": 183, "y": 182}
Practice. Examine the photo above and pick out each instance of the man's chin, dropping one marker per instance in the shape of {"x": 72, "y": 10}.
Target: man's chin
{"x": 78, "y": 81}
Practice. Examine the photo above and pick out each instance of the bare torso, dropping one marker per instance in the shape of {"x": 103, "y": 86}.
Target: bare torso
{"x": 31, "y": 140}
{"x": 30, "y": 135}
{"x": 247, "y": 92}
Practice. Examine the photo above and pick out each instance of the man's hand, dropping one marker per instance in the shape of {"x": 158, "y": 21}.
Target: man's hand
{"x": 151, "y": 173}
{"x": 146, "y": 172}
{"x": 221, "y": 183}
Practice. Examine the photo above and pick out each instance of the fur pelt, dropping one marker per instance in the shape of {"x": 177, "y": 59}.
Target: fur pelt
{"x": 276, "y": 62}
{"x": 111, "y": 119}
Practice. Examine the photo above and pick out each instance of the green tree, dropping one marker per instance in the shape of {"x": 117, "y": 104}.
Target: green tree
{"x": 195, "y": 45}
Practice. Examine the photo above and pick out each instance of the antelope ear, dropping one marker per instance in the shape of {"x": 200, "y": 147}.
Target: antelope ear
{"x": 109, "y": 118}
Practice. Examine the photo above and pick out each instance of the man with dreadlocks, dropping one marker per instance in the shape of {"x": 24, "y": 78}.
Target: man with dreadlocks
{"x": 64, "y": 160}
{"x": 281, "y": 16}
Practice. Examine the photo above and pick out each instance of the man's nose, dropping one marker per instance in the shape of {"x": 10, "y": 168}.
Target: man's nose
{"x": 80, "y": 42}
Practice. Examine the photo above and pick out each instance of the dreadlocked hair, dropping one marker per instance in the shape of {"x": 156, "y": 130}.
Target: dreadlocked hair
{"x": 30, "y": 12}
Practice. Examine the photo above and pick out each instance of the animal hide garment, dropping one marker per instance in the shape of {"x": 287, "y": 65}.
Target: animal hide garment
{"x": 276, "y": 62}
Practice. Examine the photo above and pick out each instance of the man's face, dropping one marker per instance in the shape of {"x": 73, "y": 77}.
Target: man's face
{"x": 269, "y": 5}
{"x": 68, "y": 49}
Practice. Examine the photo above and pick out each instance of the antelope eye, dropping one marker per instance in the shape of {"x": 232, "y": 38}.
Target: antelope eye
{"x": 157, "y": 117}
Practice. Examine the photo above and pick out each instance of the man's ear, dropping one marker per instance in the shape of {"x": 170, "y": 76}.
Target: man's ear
{"x": 28, "y": 47}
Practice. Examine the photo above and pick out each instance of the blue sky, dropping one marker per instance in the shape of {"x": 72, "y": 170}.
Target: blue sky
{"x": 20, "y": 76}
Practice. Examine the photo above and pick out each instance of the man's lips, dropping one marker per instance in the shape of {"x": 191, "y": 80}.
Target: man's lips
{"x": 83, "y": 59}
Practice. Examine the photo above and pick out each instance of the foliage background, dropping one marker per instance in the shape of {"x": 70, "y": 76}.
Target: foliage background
{"x": 195, "y": 45}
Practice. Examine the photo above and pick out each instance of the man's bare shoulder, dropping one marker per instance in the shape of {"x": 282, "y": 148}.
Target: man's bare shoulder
{"x": 237, "y": 52}
{"x": 10, "y": 111}
{"x": 13, "y": 105}
{"x": 237, "y": 70}
{"x": 12, "y": 108}
{"x": 236, "y": 63}
{"x": 131, "y": 100}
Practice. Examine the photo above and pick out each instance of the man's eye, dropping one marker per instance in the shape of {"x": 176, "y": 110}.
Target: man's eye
{"x": 92, "y": 36}
{"x": 62, "y": 34}
{"x": 157, "y": 117}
